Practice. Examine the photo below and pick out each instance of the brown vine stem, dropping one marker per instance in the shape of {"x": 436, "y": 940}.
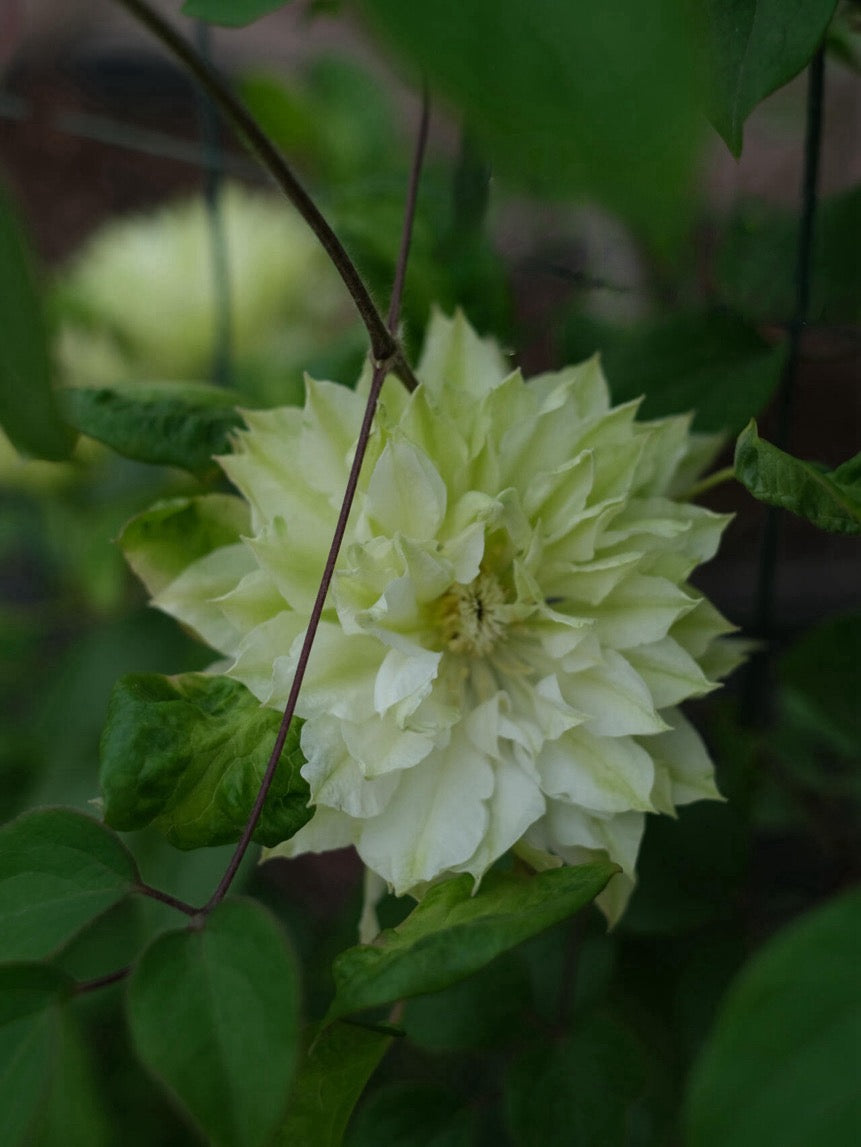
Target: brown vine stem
{"x": 85, "y": 986}
{"x": 384, "y": 346}
{"x": 381, "y": 369}
{"x": 166, "y": 898}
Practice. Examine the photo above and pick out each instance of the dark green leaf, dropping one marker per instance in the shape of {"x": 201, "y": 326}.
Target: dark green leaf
{"x": 59, "y": 870}
{"x": 187, "y": 755}
{"x": 567, "y": 98}
{"x": 712, "y": 363}
{"x": 754, "y": 47}
{"x": 579, "y": 1090}
{"x": 781, "y": 1063}
{"x": 30, "y": 1023}
{"x": 28, "y": 408}
{"x": 162, "y": 541}
{"x": 72, "y": 1111}
{"x": 329, "y": 1081}
{"x": 214, "y": 1014}
{"x": 452, "y": 933}
{"x": 821, "y": 682}
{"x": 413, "y": 1115}
{"x": 230, "y": 13}
{"x": 163, "y": 423}
{"x": 755, "y": 263}
{"x": 777, "y": 478}
{"x": 484, "y": 1011}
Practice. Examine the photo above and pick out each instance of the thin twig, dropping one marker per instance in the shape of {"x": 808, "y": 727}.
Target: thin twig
{"x": 380, "y": 372}
{"x": 384, "y": 346}
{"x": 85, "y": 986}
{"x": 166, "y": 898}
{"x": 381, "y": 369}
{"x": 409, "y": 218}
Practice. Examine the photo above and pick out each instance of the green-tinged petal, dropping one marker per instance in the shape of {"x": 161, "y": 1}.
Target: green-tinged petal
{"x": 406, "y": 494}
{"x": 455, "y": 358}
{"x": 164, "y": 540}
{"x": 327, "y": 830}
{"x": 638, "y": 611}
{"x": 602, "y": 774}
{"x": 615, "y": 699}
{"x": 261, "y": 655}
{"x": 192, "y": 598}
{"x": 618, "y": 836}
{"x": 515, "y": 804}
{"x": 332, "y": 418}
{"x": 681, "y": 753}
{"x": 585, "y": 387}
{"x": 337, "y": 779}
{"x": 670, "y": 673}
{"x": 435, "y": 821}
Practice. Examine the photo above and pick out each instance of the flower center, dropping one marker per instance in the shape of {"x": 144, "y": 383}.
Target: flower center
{"x": 471, "y": 616}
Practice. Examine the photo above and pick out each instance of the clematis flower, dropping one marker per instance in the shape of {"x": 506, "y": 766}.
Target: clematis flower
{"x": 510, "y": 628}
{"x": 139, "y": 297}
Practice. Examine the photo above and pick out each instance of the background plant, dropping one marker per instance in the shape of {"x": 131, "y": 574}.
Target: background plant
{"x": 687, "y": 1023}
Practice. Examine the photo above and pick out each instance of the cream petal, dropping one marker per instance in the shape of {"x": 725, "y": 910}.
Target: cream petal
{"x": 615, "y": 698}
{"x": 435, "y": 821}
{"x": 670, "y": 673}
{"x": 327, "y": 829}
{"x": 261, "y": 656}
{"x": 639, "y": 611}
{"x": 516, "y": 803}
{"x": 455, "y": 357}
{"x": 406, "y": 494}
{"x": 681, "y": 753}
{"x": 404, "y": 679}
{"x": 602, "y": 774}
{"x": 331, "y": 420}
{"x": 192, "y": 598}
{"x": 618, "y": 836}
{"x": 383, "y": 746}
{"x": 336, "y": 779}
{"x": 252, "y": 602}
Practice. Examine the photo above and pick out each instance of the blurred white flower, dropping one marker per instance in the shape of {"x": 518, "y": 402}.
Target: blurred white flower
{"x": 139, "y": 297}
{"x": 510, "y": 627}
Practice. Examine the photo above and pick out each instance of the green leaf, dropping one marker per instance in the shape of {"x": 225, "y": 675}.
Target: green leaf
{"x": 452, "y": 933}
{"x": 187, "y": 755}
{"x": 781, "y": 1063}
{"x": 28, "y": 407}
{"x": 73, "y": 1112}
{"x": 413, "y": 1115}
{"x": 825, "y": 499}
{"x": 754, "y": 47}
{"x": 820, "y": 679}
{"x": 59, "y": 870}
{"x": 755, "y": 262}
{"x": 567, "y": 99}
{"x": 162, "y": 541}
{"x": 30, "y": 1022}
{"x": 331, "y": 1077}
{"x": 230, "y": 13}
{"x": 712, "y": 363}
{"x": 180, "y": 424}
{"x": 214, "y": 1014}
{"x": 578, "y": 1090}
{"x": 485, "y": 1011}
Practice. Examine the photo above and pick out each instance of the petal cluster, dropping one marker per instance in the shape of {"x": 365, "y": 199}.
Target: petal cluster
{"x": 510, "y": 629}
